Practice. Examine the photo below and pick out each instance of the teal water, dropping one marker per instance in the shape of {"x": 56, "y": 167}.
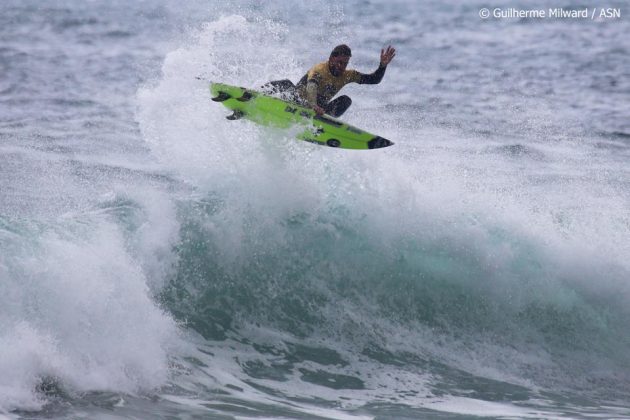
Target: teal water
{"x": 159, "y": 261}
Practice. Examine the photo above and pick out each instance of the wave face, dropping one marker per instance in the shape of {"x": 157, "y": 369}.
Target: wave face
{"x": 158, "y": 259}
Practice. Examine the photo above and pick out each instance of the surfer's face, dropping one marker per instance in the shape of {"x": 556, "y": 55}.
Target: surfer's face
{"x": 337, "y": 65}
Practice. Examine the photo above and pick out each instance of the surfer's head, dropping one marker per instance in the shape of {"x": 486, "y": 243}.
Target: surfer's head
{"x": 338, "y": 59}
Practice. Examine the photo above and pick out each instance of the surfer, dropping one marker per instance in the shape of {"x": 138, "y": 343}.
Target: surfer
{"x": 324, "y": 80}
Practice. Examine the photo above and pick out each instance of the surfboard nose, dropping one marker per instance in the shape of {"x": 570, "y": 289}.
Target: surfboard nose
{"x": 378, "y": 142}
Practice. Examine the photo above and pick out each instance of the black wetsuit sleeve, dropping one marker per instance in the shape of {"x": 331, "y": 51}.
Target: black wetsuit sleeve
{"x": 374, "y": 78}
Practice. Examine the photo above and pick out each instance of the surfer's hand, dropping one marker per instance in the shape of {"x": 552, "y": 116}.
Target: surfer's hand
{"x": 318, "y": 110}
{"x": 387, "y": 55}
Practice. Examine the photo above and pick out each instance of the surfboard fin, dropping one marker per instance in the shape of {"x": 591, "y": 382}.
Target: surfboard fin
{"x": 236, "y": 115}
{"x": 223, "y": 96}
{"x": 246, "y": 97}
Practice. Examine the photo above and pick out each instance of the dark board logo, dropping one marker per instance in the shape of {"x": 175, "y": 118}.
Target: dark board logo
{"x": 333, "y": 143}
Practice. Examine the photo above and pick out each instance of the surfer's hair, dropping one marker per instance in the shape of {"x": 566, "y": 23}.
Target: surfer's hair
{"x": 341, "y": 50}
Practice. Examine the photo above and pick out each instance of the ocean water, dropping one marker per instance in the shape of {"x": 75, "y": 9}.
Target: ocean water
{"x": 158, "y": 261}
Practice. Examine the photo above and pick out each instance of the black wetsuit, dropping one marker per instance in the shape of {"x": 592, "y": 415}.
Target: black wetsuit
{"x": 328, "y": 86}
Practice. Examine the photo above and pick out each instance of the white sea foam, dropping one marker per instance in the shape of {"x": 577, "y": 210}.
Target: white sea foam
{"x": 78, "y": 312}
{"x": 494, "y": 188}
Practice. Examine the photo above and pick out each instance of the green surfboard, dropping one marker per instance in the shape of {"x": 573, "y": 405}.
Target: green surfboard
{"x": 270, "y": 111}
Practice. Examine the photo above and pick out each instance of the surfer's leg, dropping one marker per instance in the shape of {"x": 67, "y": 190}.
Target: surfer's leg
{"x": 338, "y": 106}
{"x": 284, "y": 89}
{"x": 278, "y": 86}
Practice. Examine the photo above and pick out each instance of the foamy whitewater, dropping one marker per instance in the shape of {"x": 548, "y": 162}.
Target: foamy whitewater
{"x": 158, "y": 261}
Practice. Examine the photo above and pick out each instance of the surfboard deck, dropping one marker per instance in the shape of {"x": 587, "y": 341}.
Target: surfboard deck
{"x": 271, "y": 111}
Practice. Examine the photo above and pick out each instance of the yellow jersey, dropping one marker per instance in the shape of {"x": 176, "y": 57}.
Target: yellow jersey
{"x": 327, "y": 84}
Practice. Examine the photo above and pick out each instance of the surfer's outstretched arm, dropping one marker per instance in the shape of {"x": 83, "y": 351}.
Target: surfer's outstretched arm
{"x": 387, "y": 56}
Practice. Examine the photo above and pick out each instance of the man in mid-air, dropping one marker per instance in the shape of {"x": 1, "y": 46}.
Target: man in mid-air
{"x": 324, "y": 80}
